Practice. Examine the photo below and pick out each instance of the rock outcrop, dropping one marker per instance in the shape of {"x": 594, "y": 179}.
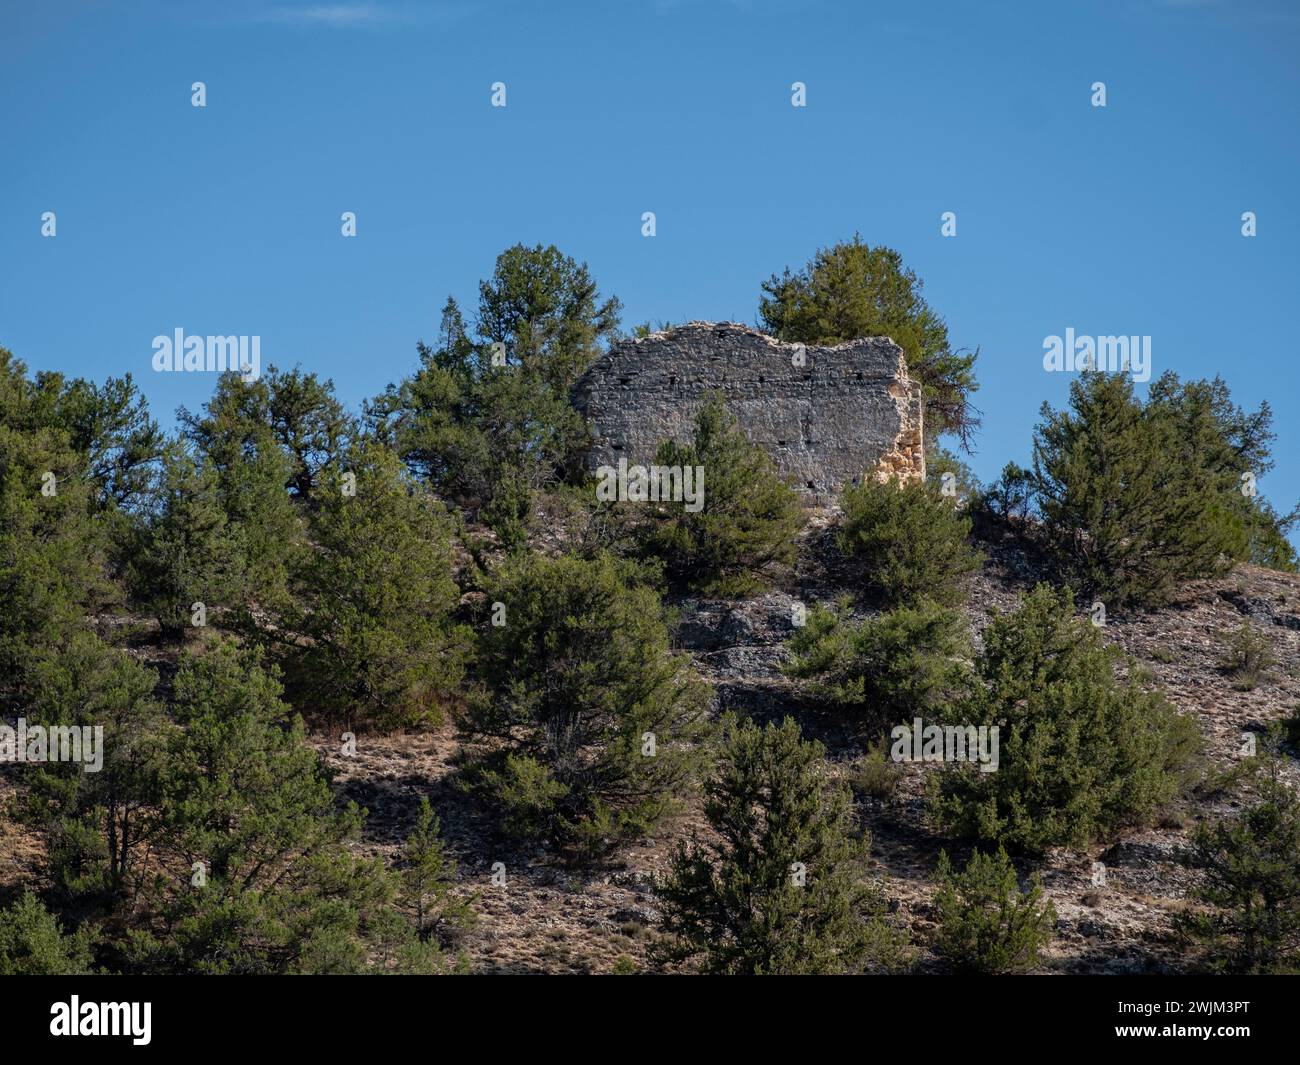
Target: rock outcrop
{"x": 829, "y": 416}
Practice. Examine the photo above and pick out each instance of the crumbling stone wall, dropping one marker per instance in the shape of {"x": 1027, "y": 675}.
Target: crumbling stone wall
{"x": 828, "y": 416}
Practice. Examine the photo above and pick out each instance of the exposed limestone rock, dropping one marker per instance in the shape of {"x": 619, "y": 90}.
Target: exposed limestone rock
{"x": 828, "y": 416}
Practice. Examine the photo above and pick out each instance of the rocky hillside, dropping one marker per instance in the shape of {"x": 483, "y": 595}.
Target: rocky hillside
{"x": 551, "y": 919}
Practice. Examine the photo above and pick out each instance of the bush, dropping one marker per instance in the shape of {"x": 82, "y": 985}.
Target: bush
{"x": 987, "y": 924}
{"x": 589, "y": 730}
{"x": 1248, "y": 657}
{"x": 749, "y": 519}
{"x": 875, "y": 774}
{"x": 907, "y": 542}
{"x": 1137, "y": 499}
{"x": 32, "y": 943}
{"x": 1251, "y": 869}
{"x": 908, "y": 662}
{"x": 1082, "y": 752}
{"x": 782, "y": 892}
{"x": 371, "y": 635}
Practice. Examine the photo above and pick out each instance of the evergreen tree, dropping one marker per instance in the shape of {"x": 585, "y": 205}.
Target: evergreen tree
{"x": 1082, "y": 752}
{"x": 185, "y": 553}
{"x": 33, "y": 943}
{"x": 427, "y": 881}
{"x": 372, "y": 633}
{"x": 545, "y": 308}
{"x": 852, "y": 290}
{"x": 97, "y": 825}
{"x": 749, "y": 518}
{"x": 905, "y": 663}
{"x": 987, "y": 925}
{"x": 262, "y": 880}
{"x": 1234, "y": 449}
{"x": 1251, "y": 869}
{"x": 234, "y": 438}
{"x": 589, "y": 733}
{"x": 785, "y": 889}
{"x": 907, "y": 541}
{"x": 487, "y": 420}
{"x": 54, "y": 537}
{"x": 1130, "y": 510}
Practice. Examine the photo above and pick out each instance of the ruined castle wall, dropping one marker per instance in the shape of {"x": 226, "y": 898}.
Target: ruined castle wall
{"x": 847, "y": 412}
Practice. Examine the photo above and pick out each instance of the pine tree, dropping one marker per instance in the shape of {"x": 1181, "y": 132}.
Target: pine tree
{"x": 852, "y": 290}
{"x": 1130, "y": 507}
{"x": 235, "y": 439}
{"x": 54, "y": 537}
{"x": 785, "y": 890}
{"x": 589, "y": 731}
{"x": 185, "y": 553}
{"x": 1251, "y": 869}
{"x": 1082, "y": 752}
{"x": 907, "y": 541}
{"x": 749, "y": 519}
{"x": 260, "y": 879}
{"x": 905, "y": 663}
{"x": 33, "y": 943}
{"x": 428, "y": 879}
{"x": 371, "y": 633}
{"x": 97, "y": 825}
{"x": 987, "y": 924}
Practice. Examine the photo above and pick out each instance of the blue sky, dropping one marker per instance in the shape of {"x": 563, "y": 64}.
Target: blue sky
{"x": 1122, "y": 220}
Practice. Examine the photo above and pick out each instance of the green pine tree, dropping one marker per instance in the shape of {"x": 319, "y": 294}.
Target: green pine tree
{"x": 589, "y": 731}
{"x": 905, "y": 663}
{"x": 907, "y": 541}
{"x": 785, "y": 890}
{"x": 371, "y": 637}
{"x": 1250, "y": 864}
{"x": 987, "y": 924}
{"x": 749, "y": 519}
{"x": 1085, "y": 745}
{"x": 852, "y": 290}
{"x": 33, "y": 943}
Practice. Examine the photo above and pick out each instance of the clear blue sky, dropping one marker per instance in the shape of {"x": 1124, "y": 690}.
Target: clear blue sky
{"x": 1121, "y": 220}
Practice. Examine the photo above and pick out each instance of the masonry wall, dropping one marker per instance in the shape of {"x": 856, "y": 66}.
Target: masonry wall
{"x": 848, "y": 412}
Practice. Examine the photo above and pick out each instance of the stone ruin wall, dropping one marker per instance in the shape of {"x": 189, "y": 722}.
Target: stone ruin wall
{"x": 847, "y": 412}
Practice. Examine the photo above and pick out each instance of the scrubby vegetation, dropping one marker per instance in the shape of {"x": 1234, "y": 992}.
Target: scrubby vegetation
{"x": 904, "y": 663}
{"x": 785, "y": 890}
{"x": 1086, "y": 747}
{"x": 281, "y": 576}
{"x": 590, "y": 728}
{"x": 987, "y": 924}
{"x": 749, "y": 518}
{"x": 907, "y": 541}
{"x": 1251, "y": 886}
